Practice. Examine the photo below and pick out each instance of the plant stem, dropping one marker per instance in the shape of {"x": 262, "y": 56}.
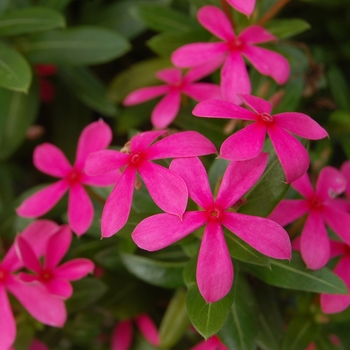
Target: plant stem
{"x": 272, "y": 11}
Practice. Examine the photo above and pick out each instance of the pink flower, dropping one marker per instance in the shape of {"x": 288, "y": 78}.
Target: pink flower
{"x": 54, "y": 278}
{"x": 213, "y": 343}
{"x": 234, "y": 75}
{"x": 248, "y": 142}
{"x": 50, "y": 160}
{"x": 214, "y": 266}
{"x": 168, "y": 107}
{"x": 37, "y": 345}
{"x": 44, "y": 307}
{"x": 167, "y": 189}
{"x": 123, "y": 332}
{"x": 244, "y": 6}
{"x": 321, "y": 210}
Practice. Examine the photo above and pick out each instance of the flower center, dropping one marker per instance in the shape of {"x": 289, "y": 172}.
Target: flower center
{"x": 267, "y": 118}
{"x": 136, "y": 158}
{"x": 235, "y": 44}
{"x": 3, "y": 275}
{"x": 46, "y": 275}
{"x": 74, "y": 177}
{"x": 315, "y": 203}
{"x": 214, "y": 214}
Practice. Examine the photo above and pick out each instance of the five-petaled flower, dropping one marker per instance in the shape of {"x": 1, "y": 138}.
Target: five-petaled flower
{"x": 321, "y": 208}
{"x": 234, "y": 75}
{"x": 214, "y": 266}
{"x": 50, "y": 160}
{"x": 168, "y": 107}
{"x": 166, "y": 188}
{"x": 248, "y": 142}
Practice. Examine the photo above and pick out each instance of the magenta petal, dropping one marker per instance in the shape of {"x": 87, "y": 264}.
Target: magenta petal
{"x": 145, "y": 94}
{"x": 246, "y": 6}
{"x": 95, "y": 137}
{"x": 148, "y": 329}
{"x": 268, "y": 63}
{"x": 290, "y": 152}
{"x": 314, "y": 242}
{"x": 122, "y": 336}
{"x": 199, "y": 71}
{"x": 37, "y": 345}
{"x": 28, "y": 278}
{"x": 50, "y": 160}
{"x": 303, "y": 186}
{"x": 239, "y": 177}
{"x": 234, "y": 78}
{"x": 74, "y": 269}
{"x": 257, "y": 104}
{"x": 330, "y": 183}
{"x": 264, "y": 235}
{"x": 105, "y": 161}
{"x": 42, "y": 201}
{"x": 160, "y": 230}
{"x": 80, "y": 209}
{"x": 141, "y": 141}
{"x": 338, "y": 248}
{"x": 170, "y": 75}
{"x": 244, "y": 144}
{"x": 44, "y": 307}
{"x": 102, "y": 180}
{"x": 60, "y": 287}
{"x": 300, "y": 124}
{"x": 7, "y": 321}
{"x": 26, "y": 253}
{"x": 345, "y": 169}
{"x": 166, "y": 110}
{"x": 215, "y": 21}
{"x": 214, "y": 267}
{"x": 203, "y": 91}
{"x": 197, "y": 53}
{"x": 181, "y": 144}
{"x": 57, "y": 246}
{"x": 117, "y": 208}
{"x": 222, "y": 109}
{"x": 256, "y": 35}
{"x": 288, "y": 210}
{"x": 167, "y": 189}
{"x": 193, "y": 172}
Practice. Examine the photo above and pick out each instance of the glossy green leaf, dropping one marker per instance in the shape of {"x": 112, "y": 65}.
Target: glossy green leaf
{"x": 15, "y": 72}
{"x": 339, "y": 88}
{"x": 88, "y": 89}
{"x": 301, "y": 331}
{"x": 30, "y": 20}
{"x": 286, "y": 28}
{"x": 162, "y": 19}
{"x": 17, "y": 112}
{"x": 59, "y": 5}
{"x": 294, "y": 275}
{"x": 175, "y": 321}
{"x": 82, "y": 45}
{"x": 160, "y": 273}
{"x": 240, "y": 329}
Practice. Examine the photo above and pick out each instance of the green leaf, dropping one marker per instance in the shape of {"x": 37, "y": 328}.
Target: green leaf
{"x": 302, "y": 330}
{"x": 15, "y": 72}
{"x": 59, "y": 5}
{"x": 17, "y": 112}
{"x": 82, "y": 45}
{"x": 159, "y": 273}
{"x": 286, "y": 28}
{"x": 240, "y": 329}
{"x": 6, "y": 187}
{"x": 294, "y": 275}
{"x": 175, "y": 321}
{"x": 3, "y": 5}
{"x": 339, "y": 88}
{"x": 87, "y": 88}
{"x": 30, "y": 20}
{"x": 162, "y": 19}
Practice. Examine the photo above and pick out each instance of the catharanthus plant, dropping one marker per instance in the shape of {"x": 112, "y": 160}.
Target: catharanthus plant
{"x": 244, "y": 6}
{"x": 214, "y": 266}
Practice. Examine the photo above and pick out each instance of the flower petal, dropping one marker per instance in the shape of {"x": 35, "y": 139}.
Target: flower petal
{"x": 117, "y": 208}
{"x": 239, "y": 177}
{"x": 160, "y": 230}
{"x": 246, "y": 7}
{"x": 57, "y": 247}
{"x": 141, "y": 141}
{"x": 234, "y": 78}
{"x": 102, "y": 180}
{"x": 257, "y": 104}
{"x": 167, "y": 189}
{"x": 214, "y": 267}
{"x": 105, "y": 161}
{"x": 314, "y": 242}
{"x": 268, "y": 62}
{"x": 75, "y": 269}
{"x": 202, "y": 91}
{"x": 264, "y": 235}
{"x": 166, "y": 110}
{"x": 50, "y": 160}
{"x": 7, "y": 321}
{"x": 144, "y": 94}
{"x": 288, "y": 210}
{"x": 60, "y": 287}
{"x": 42, "y": 201}
{"x": 199, "y": 71}
{"x": 94, "y": 137}
{"x": 193, "y": 172}
{"x": 27, "y": 255}
{"x": 37, "y": 345}
{"x": 216, "y": 22}
{"x": 345, "y": 169}
{"x": 290, "y": 152}
{"x": 170, "y": 75}
{"x": 330, "y": 183}
{"x": 122, "y": 336}
{"x": 80, "y": 209}
{"x": 181, "y": 144}
{"x": 244, "y": 144}
{"x": 256, "y": 35}
{"x": 148, "y": 329}
{"x": 303, "y": 186}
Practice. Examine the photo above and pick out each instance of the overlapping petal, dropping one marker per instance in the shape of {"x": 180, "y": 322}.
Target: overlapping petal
{"x": 141, "y": 141}
{"x": 102, "y": 180}
{"x": 338, "y": 221}
{"x": 60, "y": 287}
{"x": 303, "y": 186}
{"x": 256, "y": 34}
{"x": 27, "y": 255}
{"x": 145, "y": 94}
{"x": 169, "y": 75}
{"x": 330, "y": 183}
{"x": 75, "y": 269}
{"x": 257, "y": 104}
{"x": 345, "y": 169}
{"x": 202, "y": 70}
{"x": 202, "y": 91}
{"x": 246, "y": 6}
